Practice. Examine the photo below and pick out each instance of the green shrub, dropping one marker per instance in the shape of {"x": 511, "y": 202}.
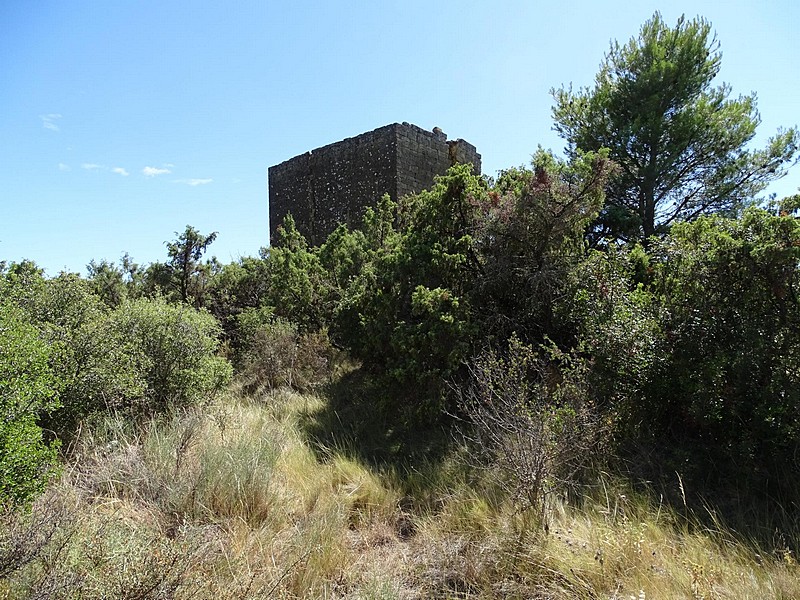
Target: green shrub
{"x": 145, "y": 355}
{"x": 406, "y": 314}
{"x": 28, "y": 387}
{"x": 295, "y": 279}
{"x": 695, "y": 347}
{"x": 90, "y": 357}
{"x": 621, "y": 328}
{"x": 173, "y": 347}
{"x": 464, "y": 265}
{"x": 729, "y": 290}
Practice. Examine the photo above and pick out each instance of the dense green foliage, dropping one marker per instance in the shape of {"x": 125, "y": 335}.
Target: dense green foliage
{"x": 695, "y": 345}
{"x": 728, "y": 289}
{"x": 689, "y": 347}
{"x": 28, "y": 387}
{"x": 185, "y": 274}
{"x": 144, "y": 355}
{"x": 89, "y": 354}
{"x": 466, "y": 264}
{"x": 67, "y": 355}
{"x": 173, "y": 348}
{"x": 679, "y": 142}
{"x": 406, "y": 313}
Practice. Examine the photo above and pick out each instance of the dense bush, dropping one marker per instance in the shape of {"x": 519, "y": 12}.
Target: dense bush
{"x": 729, "y": 292}
{"x": 406, "y": 313}
{"x": 696, "y": 344}
{"x": 28, "y": 387}
{"x": 173, "y": 347}
{"x": 295, "y": 289}
{"x": 465, "y": 264}
{"x": 620, "y": 327}
{"x": 145, "y": 354}
{"x": 90, "y": 357}
{"x": 530, "y": 239}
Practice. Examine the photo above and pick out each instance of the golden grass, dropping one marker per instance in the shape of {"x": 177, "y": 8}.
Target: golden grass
{"x": 233, "y": 503}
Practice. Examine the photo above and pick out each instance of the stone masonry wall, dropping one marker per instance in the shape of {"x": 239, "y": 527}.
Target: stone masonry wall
{"x": 333, "y": 184}
{"x": 422, "y": 155}
{"x": 330, "y": 185}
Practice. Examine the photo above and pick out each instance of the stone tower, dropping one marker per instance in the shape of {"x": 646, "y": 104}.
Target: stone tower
{"x": 333, "y": 184}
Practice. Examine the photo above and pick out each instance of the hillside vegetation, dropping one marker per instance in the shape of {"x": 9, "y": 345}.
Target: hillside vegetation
{"x": 240, "y": 501}
{"x": 579, "y": 379}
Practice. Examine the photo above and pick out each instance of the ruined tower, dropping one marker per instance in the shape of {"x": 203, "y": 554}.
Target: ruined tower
{"x": 333, "y": 184}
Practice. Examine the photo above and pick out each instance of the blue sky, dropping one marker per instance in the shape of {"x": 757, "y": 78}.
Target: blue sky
{"x": 122, "y": 122}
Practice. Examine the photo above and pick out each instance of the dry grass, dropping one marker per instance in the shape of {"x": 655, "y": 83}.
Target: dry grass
{"x": 233, "y": 503}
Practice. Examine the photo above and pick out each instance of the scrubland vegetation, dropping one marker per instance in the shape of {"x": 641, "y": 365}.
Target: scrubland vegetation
{"x": 580, "y": 379}
{"x": 237, "y": 501}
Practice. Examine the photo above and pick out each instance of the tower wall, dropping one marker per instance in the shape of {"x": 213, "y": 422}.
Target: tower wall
{"x": 333, "y": 184}
{"x": 422, "y": 155}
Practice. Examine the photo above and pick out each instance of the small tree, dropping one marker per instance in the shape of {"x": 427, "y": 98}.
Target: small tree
{"x": 680, "y": 142}
{"x": 115, "y": 283}
{"x": 188, "y": 274}
{"x": 294, "y": 278}
{"x": 465, "y": 264}
{"x": 406, "y": 313}
{"x": 530, "y": 235}
{"x": 107, "y": 281}
{"x": 695, "y": 347}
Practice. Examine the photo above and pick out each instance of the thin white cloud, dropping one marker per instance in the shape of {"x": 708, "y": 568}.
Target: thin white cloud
{"x": 120, "y": 171}
{"x": 48, "y": 121}
{"x": 153, "y": 171}
{"x": 63, "y": 167}
{"x": 194, "y": 182}
{"x": 91, "y": 166}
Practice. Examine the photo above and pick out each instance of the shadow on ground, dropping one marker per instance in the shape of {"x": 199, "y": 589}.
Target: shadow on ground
{"x": 757, "y": 500}
{"x": 361, "y": 421}
{"x": 364, "y": 423}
